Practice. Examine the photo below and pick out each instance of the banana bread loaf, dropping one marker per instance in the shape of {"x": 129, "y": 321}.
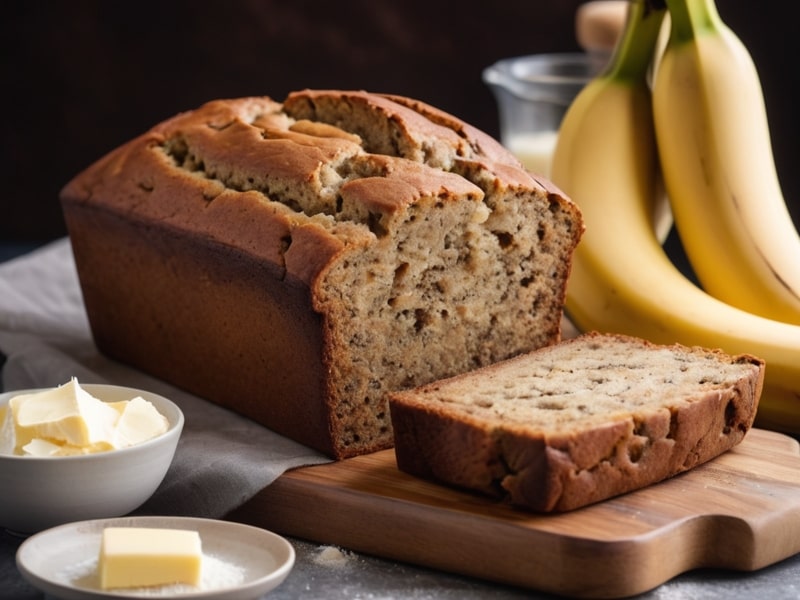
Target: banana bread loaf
{"x": 296, "y": 260}
{"x": 577, "y": 422}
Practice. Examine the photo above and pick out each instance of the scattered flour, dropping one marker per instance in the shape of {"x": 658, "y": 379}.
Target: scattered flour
{"x": 330, "y": 556}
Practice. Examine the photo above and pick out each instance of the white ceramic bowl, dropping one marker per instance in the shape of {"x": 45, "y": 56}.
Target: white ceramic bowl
{"x": 37, "y": 493}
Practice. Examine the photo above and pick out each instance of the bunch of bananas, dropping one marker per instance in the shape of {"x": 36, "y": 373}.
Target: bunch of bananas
{"x": 688, "y": 116}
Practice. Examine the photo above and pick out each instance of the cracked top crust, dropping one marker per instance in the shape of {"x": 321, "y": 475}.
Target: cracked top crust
{"x": 384, "y": 242}
{"x": 320, "y": 163}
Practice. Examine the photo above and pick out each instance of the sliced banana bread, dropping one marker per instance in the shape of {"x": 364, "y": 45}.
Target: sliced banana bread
{"x": 577, "y": 422}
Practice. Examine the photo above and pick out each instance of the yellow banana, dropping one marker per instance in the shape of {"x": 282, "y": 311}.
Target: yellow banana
{"x": 622, "y": 280}
{"x": 717, "y": 162}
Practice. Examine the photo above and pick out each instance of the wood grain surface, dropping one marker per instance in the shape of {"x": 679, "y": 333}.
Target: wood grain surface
{"x": 740, "y": 511}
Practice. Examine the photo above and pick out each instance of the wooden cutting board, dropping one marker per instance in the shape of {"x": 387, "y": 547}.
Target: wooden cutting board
{"x": 740, "y": 511}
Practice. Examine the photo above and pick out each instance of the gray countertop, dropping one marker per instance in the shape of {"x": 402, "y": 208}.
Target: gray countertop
{"x": 332, "y": 572}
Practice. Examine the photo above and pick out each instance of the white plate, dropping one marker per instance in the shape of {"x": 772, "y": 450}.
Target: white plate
{"x": 240, "y": 562}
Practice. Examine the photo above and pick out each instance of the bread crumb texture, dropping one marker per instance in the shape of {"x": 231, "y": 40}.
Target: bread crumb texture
{"x": 579, "y": 421}
{"x": 423, "y": 246}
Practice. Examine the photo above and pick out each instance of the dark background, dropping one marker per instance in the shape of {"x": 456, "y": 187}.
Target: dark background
{"x": 81, "y": 77}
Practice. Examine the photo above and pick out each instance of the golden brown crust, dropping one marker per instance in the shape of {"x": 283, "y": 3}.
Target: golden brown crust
{"x": 703, "y": 403}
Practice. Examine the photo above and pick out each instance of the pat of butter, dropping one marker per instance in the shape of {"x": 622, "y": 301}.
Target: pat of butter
{"x": 144, "y": 557}
{"x": 40, "y": 447}
{"x": 66, "y": 414}
{"x": 138, "y": 422}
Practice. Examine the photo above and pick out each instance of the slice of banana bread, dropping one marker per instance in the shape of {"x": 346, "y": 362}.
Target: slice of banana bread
{"x": 577, "y": 422}
{"x": 296, "y": 260}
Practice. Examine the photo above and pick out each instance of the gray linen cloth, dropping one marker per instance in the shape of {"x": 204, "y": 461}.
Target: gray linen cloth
{"x": 222, "y": 460}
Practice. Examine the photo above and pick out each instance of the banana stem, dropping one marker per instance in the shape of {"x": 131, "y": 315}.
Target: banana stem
{"x": 636, "y": 47}
{"x": 691, "y": 18}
